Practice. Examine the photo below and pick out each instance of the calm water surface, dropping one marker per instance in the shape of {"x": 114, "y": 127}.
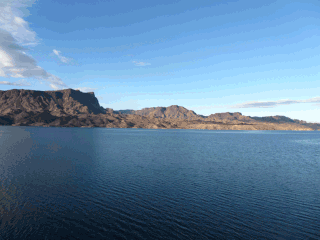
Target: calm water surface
{"x": 77, "y": 183}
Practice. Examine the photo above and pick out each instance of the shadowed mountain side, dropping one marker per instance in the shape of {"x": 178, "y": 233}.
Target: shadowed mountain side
{"x": 72, "y": 108}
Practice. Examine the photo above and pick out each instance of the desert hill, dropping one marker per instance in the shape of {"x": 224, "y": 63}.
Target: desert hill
{"x": 179, "y": 112}
{"x": 73, "y": 108}
{"x": 172, "y": 112}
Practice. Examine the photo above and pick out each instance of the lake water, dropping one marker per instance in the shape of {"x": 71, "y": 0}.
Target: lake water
{"x": 82, "y": 183}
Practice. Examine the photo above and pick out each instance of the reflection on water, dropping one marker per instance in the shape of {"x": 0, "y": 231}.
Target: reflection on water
{"x": 309, "y": 141}
{"x": 73, "y": 183}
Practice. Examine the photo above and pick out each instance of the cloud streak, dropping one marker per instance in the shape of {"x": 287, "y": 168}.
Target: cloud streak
{"x": 62, "y": 58}
{"x": 140, "y": 64}
{"x": 86, "y": 89}
{"x": 18, "y": 83}
{"x": 272, "y": 104}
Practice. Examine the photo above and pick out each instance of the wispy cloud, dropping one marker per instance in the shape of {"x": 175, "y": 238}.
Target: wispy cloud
{"x": 18, "y": 83}
{"x": 86, "y": 89}
{"x": 15, "y": 34}
{"x": 62, "y": 58}
{"x": 16, "y": 64}
{"x": 11, "y": 20}
{"x": 141, "y": 64}
{"x": 271, "y": 104}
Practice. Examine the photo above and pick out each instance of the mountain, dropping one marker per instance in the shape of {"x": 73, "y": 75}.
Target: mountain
{"x": 64, "y": 102}
{"x": 221, "y": 117}
{"x": 73, "y": 108}
{"x": 283, "y": 119}
{"x": 178, "y": 112}
{"x": 172, "y": 112}
{"x": 275, "y": 119}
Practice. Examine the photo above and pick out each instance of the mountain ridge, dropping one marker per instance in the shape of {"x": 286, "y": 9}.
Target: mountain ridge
{"x": 212, "y": 117}
{"x": 73, "y": 108}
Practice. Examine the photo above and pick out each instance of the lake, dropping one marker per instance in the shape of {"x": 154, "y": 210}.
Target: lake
{"x": 98, "y": 183}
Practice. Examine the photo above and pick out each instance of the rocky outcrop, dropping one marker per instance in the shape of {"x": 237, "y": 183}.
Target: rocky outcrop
{"x": 72, "y": 108}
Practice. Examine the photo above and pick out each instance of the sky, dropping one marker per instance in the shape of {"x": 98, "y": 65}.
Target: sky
{"x": 260, "y": 58}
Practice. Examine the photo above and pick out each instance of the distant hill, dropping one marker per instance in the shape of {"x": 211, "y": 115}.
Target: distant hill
{"x": 220, "y": 117}
{"x": 127, "y": 111}
{"x": 283, "y": 119}
{"x": 275, "y": 119}
{"x": 73, "y": 108}
{"x": 172, "y": 112}
{"x": 178, "y": 112}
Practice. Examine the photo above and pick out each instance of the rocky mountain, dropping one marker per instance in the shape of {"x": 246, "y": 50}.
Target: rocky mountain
{"x": 276, "y": 119}
{"x": 64, "y": 102}
{"x": 225, "y": 117}
{"x": 172, "y": 112}
{"x": 178, "y": 112}
{"x": 285, "y": 120}
{"x": 72, "y": 108}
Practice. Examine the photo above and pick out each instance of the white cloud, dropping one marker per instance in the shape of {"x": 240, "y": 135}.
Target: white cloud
{"x": 86, "y": 89}
{"x": 16, "y": 64}
{"x": 11, "y": 13}
{"x": 18, "y": 83}
{"x": 141, "y": 64}
{"x": 54, "y": 86}
{"x": 271, "y": 104}
{"x": 14, "y": 35}
{"x": 62, "y": 58}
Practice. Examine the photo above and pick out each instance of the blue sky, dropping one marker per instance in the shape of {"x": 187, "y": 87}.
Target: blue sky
{"x": 259, "y": 58}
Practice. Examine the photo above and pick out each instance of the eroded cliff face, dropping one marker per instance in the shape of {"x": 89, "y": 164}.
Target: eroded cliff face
{"x": 72, "y": 108}
{"x": 58, "y": 103}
